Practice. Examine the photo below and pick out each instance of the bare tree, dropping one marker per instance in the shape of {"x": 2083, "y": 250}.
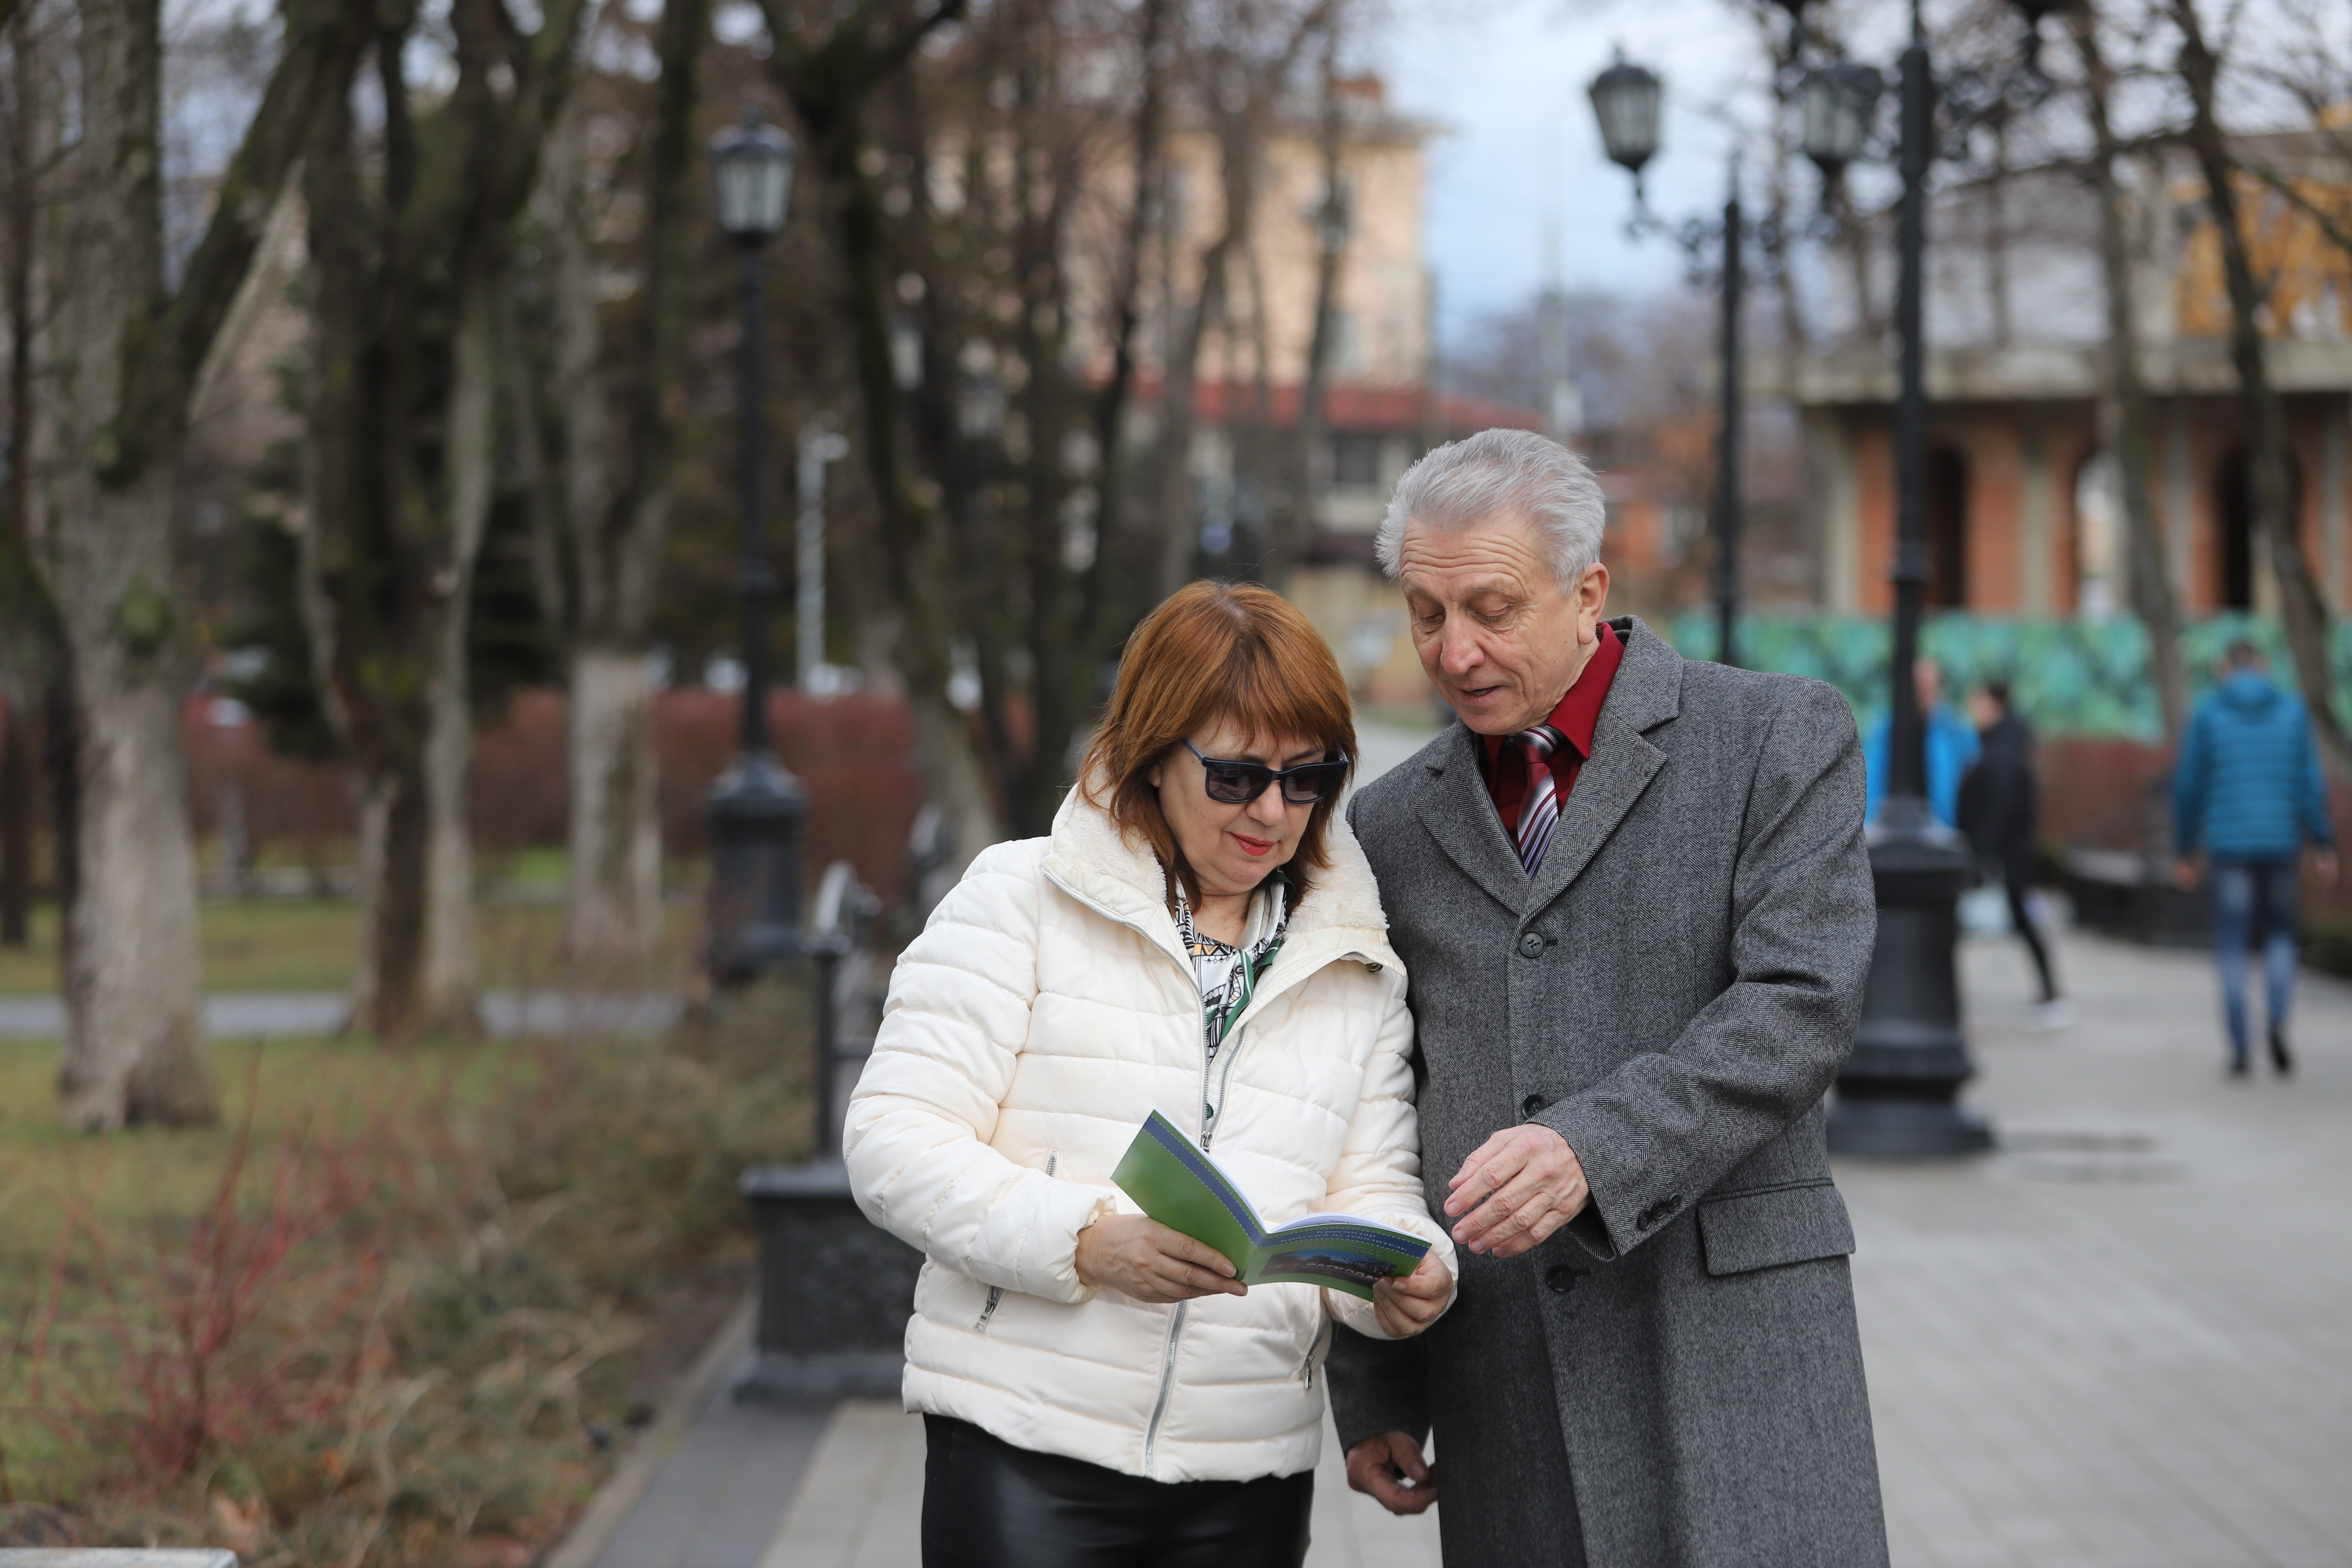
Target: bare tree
{"x": 407, "y": 248}
{"x": 1290, "y": 523}
{"x": 131, "y": 350}
{"x": 607, "y": 504}
{"x": 2124, "y": 421}
{"x": 832, "y": 75}
{"x": 2269, "y": 477}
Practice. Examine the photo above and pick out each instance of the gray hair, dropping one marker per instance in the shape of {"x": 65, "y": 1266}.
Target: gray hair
{"x": 1507, "y": 472}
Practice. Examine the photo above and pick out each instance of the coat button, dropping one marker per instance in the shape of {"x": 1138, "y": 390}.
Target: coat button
{"x": 1657, "y": 1211}
{"x": 1532, "y": 945}
{"x": 1532, "y": 1104}
{"x": 1560, "y": 1278}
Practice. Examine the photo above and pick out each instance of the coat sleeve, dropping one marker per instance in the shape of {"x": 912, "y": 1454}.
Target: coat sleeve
{"x": 1379, "y": 1174}
{"x": 2314, "y": 787}
{"x": 1667, "y": 1126}
{"x": 917, "y": 1141}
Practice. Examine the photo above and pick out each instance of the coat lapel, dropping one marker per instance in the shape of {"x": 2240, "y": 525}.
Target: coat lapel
{"x": 1646, "y": 692}
{"x": 1460, "y": 815}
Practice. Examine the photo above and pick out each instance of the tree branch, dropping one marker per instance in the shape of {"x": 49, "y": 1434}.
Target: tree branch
{"x": 165, "y": 354}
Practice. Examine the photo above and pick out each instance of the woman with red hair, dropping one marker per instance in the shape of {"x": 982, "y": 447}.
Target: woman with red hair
{"x": 1198, "y": 936}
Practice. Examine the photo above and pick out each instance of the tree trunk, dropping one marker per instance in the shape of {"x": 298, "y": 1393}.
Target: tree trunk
{"x": 2123, "y": 413}
{"x": 2268, "y": 469}
{"x": 451, "y": 971}
{"x": 1292, "y": 525}
{"x": 615, "y": 820}
{"x": 134, "y": 1045}
{"x": 617, "y": 529}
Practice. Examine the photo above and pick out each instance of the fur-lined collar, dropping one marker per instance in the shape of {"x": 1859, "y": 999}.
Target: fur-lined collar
{"x": 1340, "y": 913}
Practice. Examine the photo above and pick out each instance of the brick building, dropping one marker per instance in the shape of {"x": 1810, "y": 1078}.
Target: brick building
{"x": 2024, "y": 515}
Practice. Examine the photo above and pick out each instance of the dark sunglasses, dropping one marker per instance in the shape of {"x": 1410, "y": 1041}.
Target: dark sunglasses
{"x": 1238, "y": 783}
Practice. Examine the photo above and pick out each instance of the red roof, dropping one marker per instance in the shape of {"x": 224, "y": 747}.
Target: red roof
{"x": 1352, "y": 405}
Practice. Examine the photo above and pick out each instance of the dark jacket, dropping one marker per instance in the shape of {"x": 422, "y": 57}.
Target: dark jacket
{"x": 1998, "y": 803}
{"x": 1675, "y": 1379}
{"x": 2248, "y": 785}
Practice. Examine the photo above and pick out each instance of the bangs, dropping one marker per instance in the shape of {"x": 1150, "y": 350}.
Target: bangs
{"x": 1211, "y": 651}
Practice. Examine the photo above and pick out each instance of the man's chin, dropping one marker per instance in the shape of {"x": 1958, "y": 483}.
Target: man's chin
{"x": 1483, "y": 718}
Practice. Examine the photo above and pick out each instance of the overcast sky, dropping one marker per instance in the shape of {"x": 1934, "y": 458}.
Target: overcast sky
{"x": 1518, "y": 147}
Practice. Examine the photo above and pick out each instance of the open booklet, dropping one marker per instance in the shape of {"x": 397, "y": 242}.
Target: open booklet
{"x": 1179, "y": 1185}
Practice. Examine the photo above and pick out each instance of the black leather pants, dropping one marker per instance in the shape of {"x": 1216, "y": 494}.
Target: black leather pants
{"x": 987, "y": 1504}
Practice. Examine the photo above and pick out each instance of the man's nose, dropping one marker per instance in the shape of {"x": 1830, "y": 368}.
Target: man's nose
{"x": 1458, "y": 652}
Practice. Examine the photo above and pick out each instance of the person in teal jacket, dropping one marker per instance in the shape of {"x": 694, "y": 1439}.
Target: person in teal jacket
{"x": 1952, "y": 747}
{"x": 2248, "y": 793}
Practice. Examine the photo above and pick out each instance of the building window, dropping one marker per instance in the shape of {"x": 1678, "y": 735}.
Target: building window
{"x": 1948, "y": 530}
{"x": 1356, "y": 460}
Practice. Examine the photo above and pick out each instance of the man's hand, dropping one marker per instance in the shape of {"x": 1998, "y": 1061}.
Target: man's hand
{"x": 2184, "y": 874}
{"x": 1521, "y": 1186}
{"x": 1405, "y": 1307}
{"x": 1388, "y": 1467}
{"x": 1137, "y": 1255}
{"x": 2323, "y": 869}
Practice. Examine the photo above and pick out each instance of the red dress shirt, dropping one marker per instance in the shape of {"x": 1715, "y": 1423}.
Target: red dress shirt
{"x": 1505, "y": 767}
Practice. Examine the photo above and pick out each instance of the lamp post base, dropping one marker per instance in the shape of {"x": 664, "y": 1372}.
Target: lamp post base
{"x": 834, "y": 1289}
{"x": 1898, "y": 1093}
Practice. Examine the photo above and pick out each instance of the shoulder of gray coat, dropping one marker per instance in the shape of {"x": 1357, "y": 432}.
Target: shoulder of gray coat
{"x": 1767, "y": 699}
{"x": 1392, "y": 788}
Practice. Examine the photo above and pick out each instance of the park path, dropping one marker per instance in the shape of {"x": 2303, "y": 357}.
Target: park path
{"x": 2124, "y": 1339}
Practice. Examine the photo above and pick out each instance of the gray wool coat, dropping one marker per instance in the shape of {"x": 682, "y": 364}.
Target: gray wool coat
{"x": 1672, "y": 1378}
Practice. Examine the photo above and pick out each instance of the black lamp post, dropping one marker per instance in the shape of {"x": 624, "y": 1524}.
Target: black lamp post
{"x": 1898, "y": 1096}
{"x": 756, "y": 808}
{"x": 1625, "y": 101}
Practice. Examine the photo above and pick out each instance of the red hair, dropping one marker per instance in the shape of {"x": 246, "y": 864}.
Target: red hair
{"x": 1212, "y": 651}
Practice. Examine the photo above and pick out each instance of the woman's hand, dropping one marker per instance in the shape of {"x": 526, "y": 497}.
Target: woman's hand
{"x": 1137, "y": 1255}
{"x": 1405, "y": 1307}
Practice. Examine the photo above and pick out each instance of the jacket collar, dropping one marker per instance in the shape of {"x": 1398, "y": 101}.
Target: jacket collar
{"x": 1460, "y": 814}
{"x": 1090, "y": 856}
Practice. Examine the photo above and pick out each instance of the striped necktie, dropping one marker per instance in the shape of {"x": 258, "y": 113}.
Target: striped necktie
{"x": 1540, "y": 813}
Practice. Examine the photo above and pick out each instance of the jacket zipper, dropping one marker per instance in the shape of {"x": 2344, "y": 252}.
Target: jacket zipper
{"x": 996, "y": 1293}
{"x": 1307, "y": 1368}
{"x": 1167, "y": 1384}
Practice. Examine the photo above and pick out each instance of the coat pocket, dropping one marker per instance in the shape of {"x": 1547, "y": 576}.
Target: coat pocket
{"x": 1764, "y": 1227}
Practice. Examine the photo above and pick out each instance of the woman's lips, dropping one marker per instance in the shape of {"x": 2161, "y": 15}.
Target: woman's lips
{"x": 1253, "y": 847}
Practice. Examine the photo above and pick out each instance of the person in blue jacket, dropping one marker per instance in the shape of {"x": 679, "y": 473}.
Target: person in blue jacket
{"x": 2247, "y": 790}
{"x": 1952, "y": 746}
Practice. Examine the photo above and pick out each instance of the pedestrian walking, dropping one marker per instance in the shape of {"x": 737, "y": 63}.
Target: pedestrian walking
{"x": 1999, "y": 810}
{"x": 1632, "y": 896}
{"x": 1200, "y": 936}
{"x": 1951, "y": 748}
{"x": 2248, "y": 793}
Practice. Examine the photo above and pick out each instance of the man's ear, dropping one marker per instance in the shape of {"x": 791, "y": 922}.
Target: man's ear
{"x": 1591, "y": 601}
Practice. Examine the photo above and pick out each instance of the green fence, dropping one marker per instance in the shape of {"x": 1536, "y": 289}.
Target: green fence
{"x": 2068, "y": 676}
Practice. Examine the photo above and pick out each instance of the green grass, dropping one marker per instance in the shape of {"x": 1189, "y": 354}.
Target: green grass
{"x": 300, "y": 944}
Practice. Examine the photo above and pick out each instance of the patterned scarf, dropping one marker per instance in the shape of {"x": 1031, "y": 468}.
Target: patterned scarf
{"x": 1227, "y": 975}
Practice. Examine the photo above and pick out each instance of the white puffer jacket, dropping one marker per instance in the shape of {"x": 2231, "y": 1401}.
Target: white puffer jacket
{"x": 1044, "y": 1013}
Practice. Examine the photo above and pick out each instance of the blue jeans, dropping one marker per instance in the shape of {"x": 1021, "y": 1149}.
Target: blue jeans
{"x": 2249, "y": 895}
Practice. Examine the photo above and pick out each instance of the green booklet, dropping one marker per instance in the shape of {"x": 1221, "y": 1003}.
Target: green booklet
{"x": 1176, "y": 1183}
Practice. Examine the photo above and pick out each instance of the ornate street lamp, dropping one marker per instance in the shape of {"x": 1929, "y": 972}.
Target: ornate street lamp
{"x": 1625, "y": 101}
{"x": 756, "y": 809}
{"x": 1898, "y": 1095}
{"x": 1835, "y": 106}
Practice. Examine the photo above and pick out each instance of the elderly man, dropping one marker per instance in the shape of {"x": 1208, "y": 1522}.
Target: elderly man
{"x": 1632, "y": 896}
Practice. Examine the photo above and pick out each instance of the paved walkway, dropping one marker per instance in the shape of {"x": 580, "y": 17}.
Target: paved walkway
{"x": 2125, "y": 1339}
